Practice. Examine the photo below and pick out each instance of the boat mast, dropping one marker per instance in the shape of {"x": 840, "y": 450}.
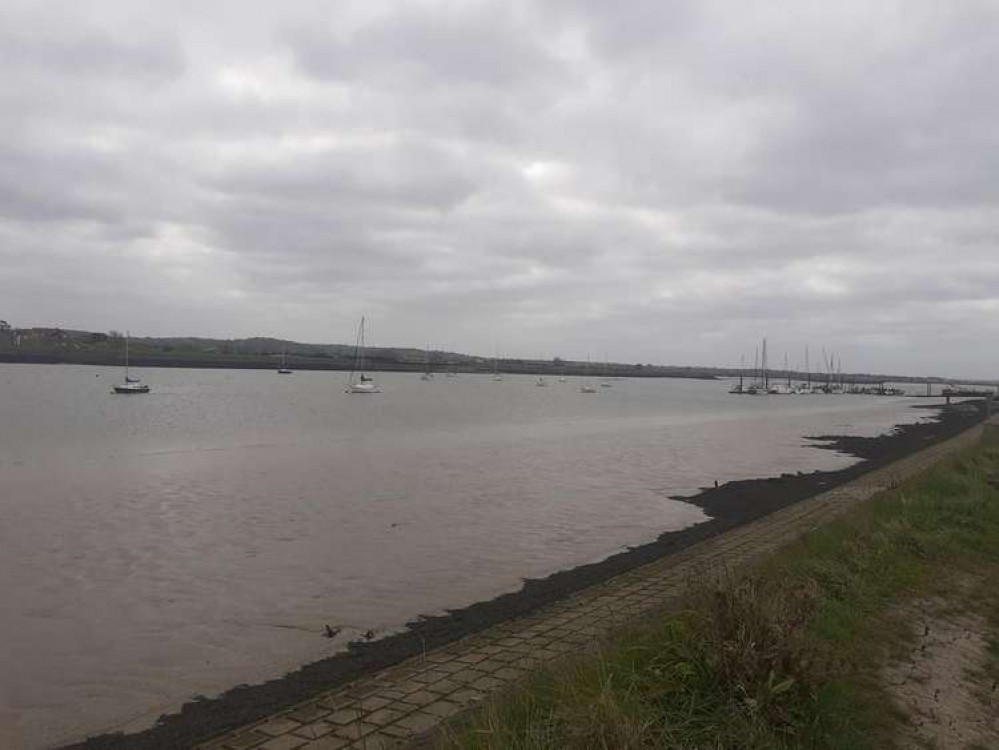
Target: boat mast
{"x": 766, "y": 370}
{"x": 358, "y": 347}
{"x": 126, "y": 355}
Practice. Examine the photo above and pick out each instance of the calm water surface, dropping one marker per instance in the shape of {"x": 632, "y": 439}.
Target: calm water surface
{"x": 157, "y": 547}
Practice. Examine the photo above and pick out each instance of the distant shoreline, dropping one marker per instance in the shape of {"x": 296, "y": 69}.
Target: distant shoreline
{"x": 730, "y": 505}
{"x": 236, "y": 362}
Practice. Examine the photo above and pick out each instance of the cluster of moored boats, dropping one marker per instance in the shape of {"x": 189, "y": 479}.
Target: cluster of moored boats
{"x": 787, "y": 388}
{"x": 831, "y": 381}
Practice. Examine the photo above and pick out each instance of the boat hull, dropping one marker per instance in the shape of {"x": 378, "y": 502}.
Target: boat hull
{"x": 362, "y": 388}
{"x": 131, "y": 388}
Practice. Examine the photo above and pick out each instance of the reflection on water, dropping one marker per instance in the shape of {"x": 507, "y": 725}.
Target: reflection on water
{"x": 154, "y": 548}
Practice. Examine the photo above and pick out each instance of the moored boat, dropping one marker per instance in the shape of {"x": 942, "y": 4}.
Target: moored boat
{"x": 130, "y": 385}
{"x": 358, "y": 382}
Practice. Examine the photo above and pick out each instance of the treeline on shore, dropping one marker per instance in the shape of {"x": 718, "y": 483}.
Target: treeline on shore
{"x": 66, "y": 346}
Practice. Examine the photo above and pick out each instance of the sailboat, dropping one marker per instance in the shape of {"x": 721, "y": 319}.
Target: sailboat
{"x": 606, "y": 382}
{"x": 782, "y": 389}
{"x": 358, "y": 382}
{"x": 496, "y": 373}
{"x": 130, "y": 384}
{"x": 284, "y": 369}
{"x": 586, "y": 387}
{"x": 540, "y": 382}
{"x": 739, "y": 388}
{"x": 427, "y": 375}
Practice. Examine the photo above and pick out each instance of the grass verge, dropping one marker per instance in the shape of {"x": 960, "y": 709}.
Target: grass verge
{"x": 788, "y": 656}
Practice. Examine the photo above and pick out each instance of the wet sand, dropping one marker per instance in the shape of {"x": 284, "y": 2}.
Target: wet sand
{"x": 730, "y": 505}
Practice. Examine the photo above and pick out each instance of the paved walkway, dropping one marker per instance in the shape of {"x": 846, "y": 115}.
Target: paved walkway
{"x": 387, "y": 708}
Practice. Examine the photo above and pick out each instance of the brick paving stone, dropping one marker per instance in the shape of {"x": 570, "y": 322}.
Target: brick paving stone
{"x": 355, "y": 730}
{"x": 329, "y": 742}
{"x": 440, "y": 656}
{"x": 506, "y": 656}
{"x": 450, "y": 667}
{"x": 419, "y": 722}
{"x": 391, "y": 694}
{"x": 443, "y": 686}
{"x": 314, "y": 731}
{"x": 397, "y": 730}
{"x": 308, "y": 713}
{"x": 375, "y": 702}
{"x": 344, "y": 716}
{"x": 489, "y": 665}
{"x": 377, "y": 742}
{"x": 245, "y": 741}
{"x": 285, "y": 742}
{"x": 442, "y": 709}
{"x": 431, "y": 675}
{"x": 540, "y": 642}
{"x": 410, "y": 687}
{"x": 525, "y": 663}
{"x": 544, "y": 654}
{"x": 485, "y": 684}
{"x": 510, "y": 641}
{"x": 421, "y": 697}
{"x": 383, "y": 716}
{"x": 277, "y": 727}
{"x": 466, "y": 676}
{"x": 466, "y": 696}
{"x": 336, "y": 702}
{"x": 472, "y": 658}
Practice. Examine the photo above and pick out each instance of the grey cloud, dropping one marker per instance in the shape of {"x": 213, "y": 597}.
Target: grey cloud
{"x": 60, "y": 44}
{"x": 401, "y": 174}
{"x": 478, "y": 44}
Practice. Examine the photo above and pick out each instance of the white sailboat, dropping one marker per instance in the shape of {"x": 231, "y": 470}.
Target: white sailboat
{"x": 606, "y": 382}
{"x": 130, "y": 385}
{"x": 358, "y": 382}
{"x": 540, "y": 382}
{"x": 586, "y": 387}
{"x": 284, "y": 369}
{"x": 496, "y": 373}
{"x": 427, "y": 374}
{"x": 739, "y": 388}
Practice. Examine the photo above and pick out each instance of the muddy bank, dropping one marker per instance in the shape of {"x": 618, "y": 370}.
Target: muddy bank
{"x": 730, "y": 505}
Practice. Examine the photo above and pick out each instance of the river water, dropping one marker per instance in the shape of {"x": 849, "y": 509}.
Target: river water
{"x": 158, "y": 547}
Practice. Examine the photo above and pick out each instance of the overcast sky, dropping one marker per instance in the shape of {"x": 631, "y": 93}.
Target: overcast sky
{"x": 649, "y": 181}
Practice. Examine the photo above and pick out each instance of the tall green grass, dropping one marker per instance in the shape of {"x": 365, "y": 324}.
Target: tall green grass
{"x": 786, "y": 657}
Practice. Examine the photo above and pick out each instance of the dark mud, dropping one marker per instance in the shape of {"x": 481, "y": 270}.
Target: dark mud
{"x": 729, "y": 505}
